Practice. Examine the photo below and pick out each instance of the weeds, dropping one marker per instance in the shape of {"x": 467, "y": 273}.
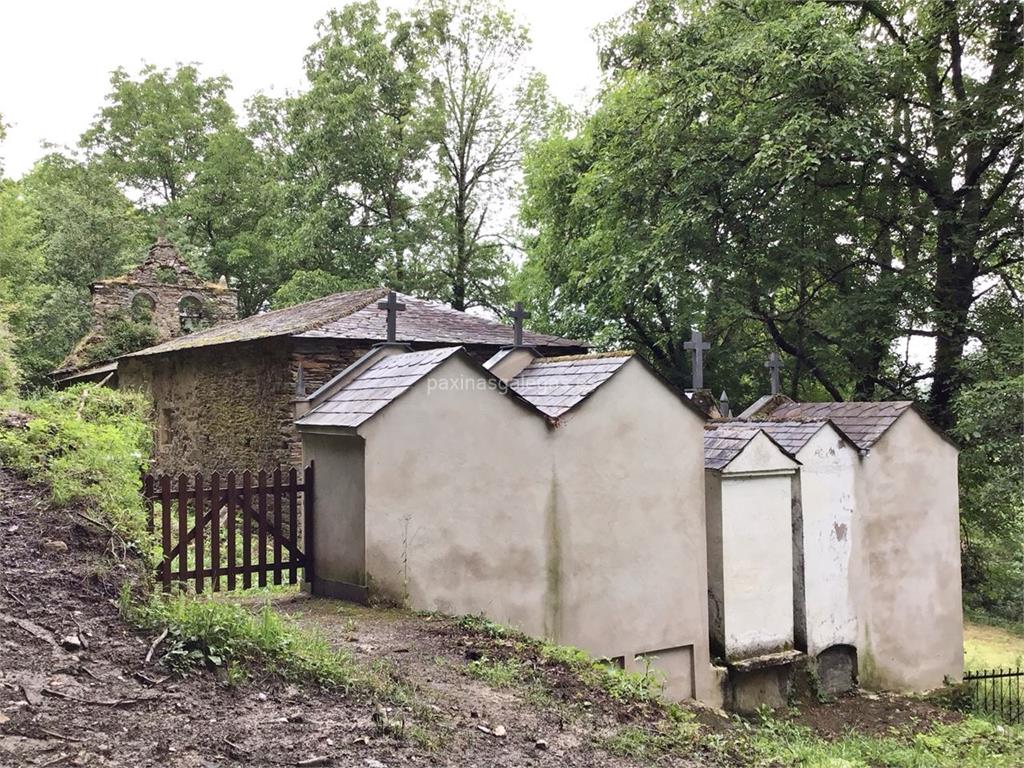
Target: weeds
{"x": 89, "y": 444}
{"x": 676, "y": 732}
{"x": 506, "y": 673}
{"x": 213, "y": 633}
{"x": 621, "y": 685}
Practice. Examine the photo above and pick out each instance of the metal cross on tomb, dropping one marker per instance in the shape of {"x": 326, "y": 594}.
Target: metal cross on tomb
{"x": 393, "y": 306}
{"x": 699, "y": 347}
{"x": 518, "y": 315}
{"x": 774, "y": 365}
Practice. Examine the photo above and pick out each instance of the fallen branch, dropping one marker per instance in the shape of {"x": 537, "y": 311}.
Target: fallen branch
{"x": 152, "y": 648}
{"x": 56, "y": 735}
{"x": 94, "y": 521}
{"x": 234, "y": 746}
{"x": 96, "y": 702}
{"x": 14, "y": 597}
{"x": 150, "y": 680}
{"x": 32, "y": 628}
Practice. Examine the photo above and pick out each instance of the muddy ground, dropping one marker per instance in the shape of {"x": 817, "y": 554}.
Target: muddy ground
{"x": 76, "y": 689}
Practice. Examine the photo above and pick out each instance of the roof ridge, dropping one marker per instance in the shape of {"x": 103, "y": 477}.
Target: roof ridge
{"x": 587, "y": 356}
{"x": 374, "y": 293}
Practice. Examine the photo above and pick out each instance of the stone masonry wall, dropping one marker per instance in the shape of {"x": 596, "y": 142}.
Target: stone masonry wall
{"x": 231, "y": 407}
{"x": 111, "y": 298}
{"x": 217, "y": 409}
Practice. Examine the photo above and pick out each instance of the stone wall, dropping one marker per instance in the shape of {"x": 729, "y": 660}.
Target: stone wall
{"x": 230, "y": 406}
{"x": 114, "y": 298}
{"x": 155, "y": 292}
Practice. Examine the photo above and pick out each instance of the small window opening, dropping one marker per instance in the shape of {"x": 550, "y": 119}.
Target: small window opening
{"x": 142, "y": 308}
{"x": 190, "y": 314}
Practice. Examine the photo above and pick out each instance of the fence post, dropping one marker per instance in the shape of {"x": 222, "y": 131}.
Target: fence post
{"x": 200, "y": 515}
{"x": 215, "y": 506}
{"x": 293, "y": 525}
{"x": 182, "y": 528}
{"x": 232, "y": 515}
{"x": 261, "y": 490}
{"x": 165, "y": 531}
{"x": 278, "y": 526}
{"x": 247, "y": 529}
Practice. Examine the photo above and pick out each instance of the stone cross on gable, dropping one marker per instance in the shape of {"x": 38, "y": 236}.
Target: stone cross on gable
{"x": 393, "y": 307}
{"x": 774, "y": 364}
{"x": 518, "y": 315}
{"x": 699, "y": 347}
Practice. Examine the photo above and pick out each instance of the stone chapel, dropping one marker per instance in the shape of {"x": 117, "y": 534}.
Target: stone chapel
{"x": 157, "y": 301}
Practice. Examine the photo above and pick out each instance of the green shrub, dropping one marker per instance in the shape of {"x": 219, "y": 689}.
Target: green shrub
{"x": 10, "y": 373}
{"x": 90, "y": 445}
{"x": 123, "y": 333}
{"x": 214, "y": 633}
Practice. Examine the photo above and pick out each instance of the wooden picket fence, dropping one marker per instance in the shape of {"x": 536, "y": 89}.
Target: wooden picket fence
{"x": 228, "y": 530}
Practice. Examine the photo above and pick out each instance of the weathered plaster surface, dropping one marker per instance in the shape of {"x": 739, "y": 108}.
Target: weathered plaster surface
{"x": 339, "y": 544}
{"x": 828, "y": 499}
{"x": 750, "y": 552}
{"x": 908, "y": 580}
{"x": 757, "y": 565}
{"x": 591, "y": 533}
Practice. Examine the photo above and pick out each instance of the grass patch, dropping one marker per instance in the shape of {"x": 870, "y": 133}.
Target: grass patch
{"x": 214, "y": 633}
{"x": 507, "y": 673}
{"x": 89, "y": 445}
{"x": 677, "y": 732}
{"x": 623, "y": 686}
{"x": 989, "y": 647}
{"x": 973, "y": 743}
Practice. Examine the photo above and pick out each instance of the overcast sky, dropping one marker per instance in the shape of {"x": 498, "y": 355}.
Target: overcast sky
{"x": 56, "y": 57}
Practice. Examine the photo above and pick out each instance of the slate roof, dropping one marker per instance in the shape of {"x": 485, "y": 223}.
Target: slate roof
{"x": 725, "y": 440}
{"x": 794, "y": 435}
{"x": 863, "y": 423}
{"x": 555, "y": 384}
{"x": 376, "y": 387}
{"x": 354, "y": 315}
{"x": 429, "y": 321}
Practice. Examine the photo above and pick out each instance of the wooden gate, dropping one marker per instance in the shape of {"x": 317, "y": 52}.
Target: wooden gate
{"x": 227, "y": 531}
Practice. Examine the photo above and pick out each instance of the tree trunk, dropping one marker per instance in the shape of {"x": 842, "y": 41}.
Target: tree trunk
{"x": 461, "y": 258}
{"x": 953, "y": 297}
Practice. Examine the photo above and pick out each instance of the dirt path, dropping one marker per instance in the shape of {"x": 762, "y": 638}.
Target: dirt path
{"x": 75, "y": 688}
{"x": 547, "y": 715}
